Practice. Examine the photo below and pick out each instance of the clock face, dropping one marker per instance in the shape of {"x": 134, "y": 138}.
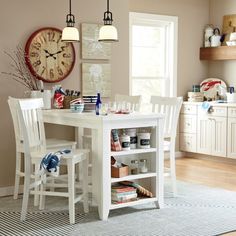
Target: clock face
{"x": 47, "y": 57}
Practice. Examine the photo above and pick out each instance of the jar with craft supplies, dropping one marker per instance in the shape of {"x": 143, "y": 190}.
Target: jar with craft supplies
{"x": 133, "y": 138}
{"x": 144, "y": 140}
{"x": 125, "y": 142}
{"x": 134, "y": 168}
{"x": 143, "y": 166}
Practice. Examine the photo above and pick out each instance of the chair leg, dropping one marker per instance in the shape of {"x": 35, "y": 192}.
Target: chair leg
{"x": 17, "y": 176}
{"x": 25, "y": 197}
{"x": 172, "y": 168}
{"x": 85, "y": 184}
{"x": 42, "y": 196}
{"x": 36, "y": 196}
{"x": 71, "y": 189}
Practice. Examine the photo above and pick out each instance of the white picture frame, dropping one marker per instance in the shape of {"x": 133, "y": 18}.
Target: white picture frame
{"x": 91, "y": 48}
{"x": 96, "y": 78}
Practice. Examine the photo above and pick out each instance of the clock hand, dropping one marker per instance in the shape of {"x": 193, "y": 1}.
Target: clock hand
{"x": 57, "y": 52}
{"x": 49, "y": 54}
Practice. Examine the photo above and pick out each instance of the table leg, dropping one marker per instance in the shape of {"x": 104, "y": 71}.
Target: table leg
{"x": 102, "y": 174}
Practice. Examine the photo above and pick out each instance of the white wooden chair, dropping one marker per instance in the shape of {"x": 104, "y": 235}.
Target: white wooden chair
{"x": 50, "y": 144}
{"x": 32, "y": 127}
{"x": 170, "y": 107}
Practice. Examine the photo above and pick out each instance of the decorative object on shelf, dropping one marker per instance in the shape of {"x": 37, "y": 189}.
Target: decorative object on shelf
{"x": 134, "y": 167}
{"x": 133, "y": 138}
{"x": 48, "y": 58}
{"x": 115, "y": 142}
{"x": 125, "y": 142}
{"x": 215, "y": 39}
{"x": 20, "y": 71}
{"x": 208, "y": 32}
{"x": 91, "y": 48}
{"x": 140, "y": 190}
{"x": 118, "y": 169}
{"x": 108, "y": 32}
{"x": 144, "y": 140}
{"x": 143, "y": 166}
{"x": 209, "y": 87}
{"x": 229, "y": 26}
{"x": 96, "y": 77}
{"x": 122, "y": 193}
{"x": 77, "y": 105}
{"x": 70, "y": 33}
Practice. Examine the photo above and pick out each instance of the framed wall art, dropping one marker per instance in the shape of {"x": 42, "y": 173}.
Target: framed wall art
{"x": 96, "y": 78}
{"x": 91, "y": 48}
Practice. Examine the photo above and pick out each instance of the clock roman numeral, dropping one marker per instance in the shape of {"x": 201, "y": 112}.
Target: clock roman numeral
{"x": 51, "y": 36}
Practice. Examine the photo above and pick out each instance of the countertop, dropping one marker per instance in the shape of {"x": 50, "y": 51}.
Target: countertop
{"x": 213, "y": 103}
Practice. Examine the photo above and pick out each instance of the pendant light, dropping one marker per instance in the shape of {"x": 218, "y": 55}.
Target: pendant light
{"x": 108, "y": 32}
{"x": 70, "y": 33}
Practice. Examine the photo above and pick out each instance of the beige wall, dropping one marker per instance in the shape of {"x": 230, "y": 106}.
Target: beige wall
{"x": 193, "y": 15}
{"x": 18, "y": 19}
{"x": 27, "y": 16}
{"x": 225, "y": 70}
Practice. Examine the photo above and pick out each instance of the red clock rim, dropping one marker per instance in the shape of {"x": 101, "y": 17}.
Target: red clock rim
{"x": 28, "y": 63}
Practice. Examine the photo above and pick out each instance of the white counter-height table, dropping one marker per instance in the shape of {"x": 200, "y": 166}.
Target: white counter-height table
{"x": 101, "y": 127}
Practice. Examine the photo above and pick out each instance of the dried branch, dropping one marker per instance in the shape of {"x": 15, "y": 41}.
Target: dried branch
{"x": 21, "y": 72}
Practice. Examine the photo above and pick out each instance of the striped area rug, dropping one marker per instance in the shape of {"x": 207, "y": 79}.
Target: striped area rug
{"x": 37, "y": 224}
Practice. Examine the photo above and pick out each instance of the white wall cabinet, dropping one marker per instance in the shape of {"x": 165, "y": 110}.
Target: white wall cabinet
{"x": 208, "y": 133}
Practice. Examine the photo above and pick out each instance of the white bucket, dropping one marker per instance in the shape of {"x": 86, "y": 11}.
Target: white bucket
{"x": 231, "y": 97}
{"x": 133, "y": 138}
{"x": 144, "y": 140}
{"x": 125, "y": 142}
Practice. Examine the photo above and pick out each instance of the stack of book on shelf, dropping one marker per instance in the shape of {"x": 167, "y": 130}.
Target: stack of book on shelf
{"x": 123, "y": 193}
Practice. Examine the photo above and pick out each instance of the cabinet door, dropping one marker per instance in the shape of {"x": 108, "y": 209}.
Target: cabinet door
{"x": 231, "y": 149}
{"x": 204, "y": 135}
{"x": 218, "y": 138}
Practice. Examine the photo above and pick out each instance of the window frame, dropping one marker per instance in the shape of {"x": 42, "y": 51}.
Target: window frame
{"x": 154, "y": 20}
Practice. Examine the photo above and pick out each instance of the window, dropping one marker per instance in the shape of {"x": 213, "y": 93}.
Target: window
{"x": 153, "y": 52}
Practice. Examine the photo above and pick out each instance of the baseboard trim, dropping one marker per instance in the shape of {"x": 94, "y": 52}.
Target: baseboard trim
{"x": 8, "y": 191}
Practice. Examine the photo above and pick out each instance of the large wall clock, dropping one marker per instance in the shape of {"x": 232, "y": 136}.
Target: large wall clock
{"x": 47, "y": 57}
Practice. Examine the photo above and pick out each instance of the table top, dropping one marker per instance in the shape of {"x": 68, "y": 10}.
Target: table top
{"x": 92, "y": 116}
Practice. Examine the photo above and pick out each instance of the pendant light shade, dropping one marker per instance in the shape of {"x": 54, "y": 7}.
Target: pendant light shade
{"x": 70, "y": 33}
{"x": 108, "y": 32}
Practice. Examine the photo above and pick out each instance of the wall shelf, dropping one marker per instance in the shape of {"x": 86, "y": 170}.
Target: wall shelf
{"x": 218, "y": 53}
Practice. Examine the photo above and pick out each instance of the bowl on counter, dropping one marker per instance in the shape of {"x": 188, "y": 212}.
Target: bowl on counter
{"x": 77, "y": 107}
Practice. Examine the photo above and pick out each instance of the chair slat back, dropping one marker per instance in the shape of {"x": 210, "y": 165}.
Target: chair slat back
{"x": 13, "y": 103}
{"x": 30, "y": 123}
{"x": 170, "y": 107}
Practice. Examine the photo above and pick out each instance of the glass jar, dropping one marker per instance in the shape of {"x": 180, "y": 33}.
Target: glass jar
{"x": 134, "y": 167}
{"x": 143, "y": 166}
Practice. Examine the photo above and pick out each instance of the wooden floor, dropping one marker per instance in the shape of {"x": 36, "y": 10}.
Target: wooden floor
{"x": 217, "y": 173}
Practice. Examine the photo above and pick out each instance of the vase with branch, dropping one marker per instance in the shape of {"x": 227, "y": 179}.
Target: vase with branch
{"x": 20, "y": 71}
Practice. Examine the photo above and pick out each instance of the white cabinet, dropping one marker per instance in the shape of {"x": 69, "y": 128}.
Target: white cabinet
{"x": 231, "y": 145}
{"x": 208, "y": 133}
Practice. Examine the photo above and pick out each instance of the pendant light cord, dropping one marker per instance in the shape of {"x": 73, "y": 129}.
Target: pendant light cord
{"x": 107, "y": 5}
{"x": 70, "y": 7}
